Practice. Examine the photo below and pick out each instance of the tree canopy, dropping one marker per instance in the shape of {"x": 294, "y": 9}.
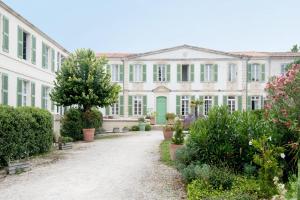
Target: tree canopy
{"x": 83, "y": 81}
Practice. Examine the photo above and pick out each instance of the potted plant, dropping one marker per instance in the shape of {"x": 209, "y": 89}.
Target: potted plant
{"x": 65, "y": 143}
{"x": 177, "y": 139}
{"x": 170, "y": 118}
{"x": 168, "y": 131}
{"x": 152, "y": 118}
{"x": 142, "y": 124}
{"x": 125, "y": 129}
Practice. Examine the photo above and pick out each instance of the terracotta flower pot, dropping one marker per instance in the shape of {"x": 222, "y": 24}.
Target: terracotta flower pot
{"x": 152, "y": 120}
{"x": 168, "y": 134}
{"x": 173, "y": 149}
{"x": 88, "y": 134}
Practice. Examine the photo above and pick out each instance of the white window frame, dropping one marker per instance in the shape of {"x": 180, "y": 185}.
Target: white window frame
{"x": 115, "y": 73}
{"x": 58, "y": 61}
{"x": 256, "y": 99}
{"x": 231, "y": 102}
{"x": 232, "y": 72}
{"x": 208, "y": 72}
{"x": 115, "y": 109}
{"x": 188, "y": 72}
{"x": 28, "y": 45}
{"x": 25, "y": 92}
{"x": 208, "y": 104}
{"x": 46, "y": 98}
{"x": 138, "y": 73}
{"x": 255, "y": 72}
{"x": 185, "y": 103}
{"x": 137, "y": 105}
{"x": 162, "y": 72}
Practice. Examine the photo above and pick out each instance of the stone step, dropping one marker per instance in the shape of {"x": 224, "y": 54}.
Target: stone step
{"x": 157, "y": 127}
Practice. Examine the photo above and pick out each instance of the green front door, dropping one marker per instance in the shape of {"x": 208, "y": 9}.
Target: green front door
{"x": 161, "y": 110}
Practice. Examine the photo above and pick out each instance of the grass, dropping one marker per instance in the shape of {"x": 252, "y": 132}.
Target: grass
{"x": 165, "y": 153}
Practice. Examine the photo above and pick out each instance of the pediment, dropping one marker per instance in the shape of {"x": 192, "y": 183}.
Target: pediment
{"x": 161, "y": 89}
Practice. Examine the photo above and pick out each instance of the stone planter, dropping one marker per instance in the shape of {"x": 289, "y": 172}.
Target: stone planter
{"x": 65, "y": 146}
{"x": 168, "y": 134}
{"x": 173, "y": 149}
{"x": 170, "y": 121}
{"x": 18, "y": 167}
{"x": 125, "y": 130}
{"x": 88, "y": 134}
{"x": 142, "y": 126}
{"x": 116, "y": 130}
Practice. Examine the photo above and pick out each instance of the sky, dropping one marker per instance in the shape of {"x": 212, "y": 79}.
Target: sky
{"x": 137, "y": 26}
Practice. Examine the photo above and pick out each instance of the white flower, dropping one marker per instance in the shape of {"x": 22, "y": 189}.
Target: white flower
{"x": 275, "y": 179}
{"x": 250, "y": 142}
{"x": 282, "y": 155}
{"x": 270, "y": 138}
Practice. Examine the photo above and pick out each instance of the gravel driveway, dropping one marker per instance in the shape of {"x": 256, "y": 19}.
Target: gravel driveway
{"x": 125, "y": 167}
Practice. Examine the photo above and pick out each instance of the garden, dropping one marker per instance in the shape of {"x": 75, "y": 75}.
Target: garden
{"x": 245, "y": 154}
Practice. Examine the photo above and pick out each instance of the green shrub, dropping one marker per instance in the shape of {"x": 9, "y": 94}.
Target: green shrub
{"x": 148, "y": 127}
{"x": 73, "y": 122}
{"x": 220, "y": 179}
{"x": 135, "y": 128}
{"x": 65, "y": 139}
{"x": 292, "y": 188}
{"x": 24, "y": 132}
{"x": 196, "y": 171}
{"x": 249, "y": 170}
{"x": 178, "y": 138}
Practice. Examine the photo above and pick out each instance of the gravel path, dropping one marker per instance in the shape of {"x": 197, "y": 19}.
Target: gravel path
{"x": 125, "y": 167}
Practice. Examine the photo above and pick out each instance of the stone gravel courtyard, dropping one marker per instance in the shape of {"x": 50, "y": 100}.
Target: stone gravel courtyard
{"x": 123, "y": 167}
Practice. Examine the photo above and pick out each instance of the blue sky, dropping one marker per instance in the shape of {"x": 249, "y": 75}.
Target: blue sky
{"x": 143, "y": 25}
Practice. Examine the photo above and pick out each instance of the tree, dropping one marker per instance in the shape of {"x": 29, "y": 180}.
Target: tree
{"x": 83, "y": 81}
{"x": 195, "y": 104}
{"x": 295, "y": 48}
{"x": 284, "y": 105}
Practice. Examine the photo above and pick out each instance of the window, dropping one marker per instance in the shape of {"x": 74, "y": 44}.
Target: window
{"x": 33, "y": 50}
{"x": 45, "y": 97}
{"x": 231, "y": 102}
{"x": 185, "y": 73}
{"x": 4, "y": 89}
{"x": 283, "y": 68}
{"x": 52, "y": 60}
{"x": 115, "y": 109}
{"x": 256, "y": 72}
{"x": 45, "y": 56}
{"x": 115, "y": 73}
{"x": 23, "y": 93}
{"x": 23, "y": 44}
{"x": 138, "y": 73}
{"x": 58, "y": 62}
{"x": 255, "y": 102}
{"x": 207, "y": 104}
{"x": 184, "y": 105}
{"x": 32, "y": 94}
{"x": 208, "y": 72}
{"x": 162, "y": 73}
{"x": 137, "y": 105}
{"x": 231, "y": 72}
{"x": 5, "y": 32}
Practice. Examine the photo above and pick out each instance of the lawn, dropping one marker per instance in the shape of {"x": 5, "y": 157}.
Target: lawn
{"x": 165, "y": 153}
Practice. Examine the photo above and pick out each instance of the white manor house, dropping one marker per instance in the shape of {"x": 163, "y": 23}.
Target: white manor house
{"x": 159, "y": 81}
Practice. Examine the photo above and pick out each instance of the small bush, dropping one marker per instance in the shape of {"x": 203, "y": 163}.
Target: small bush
{"x": 220, "y": 179}
{"x": 148, "y": 127}
{"x": 135, "y": 128}
{"x": 178, "y": 138}
{"x": 249, "y": 170}
{"x": 24, "y": 132}
{"x": 65, "y": 139}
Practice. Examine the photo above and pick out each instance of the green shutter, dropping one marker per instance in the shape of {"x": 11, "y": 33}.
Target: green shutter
{"x": 145, "y": 105}
{"x": 121, "y": 105}
{"x": 33, "y": 50}
{"x": 52, "y": 60}
{"x": 215, "y": 73}
{"x": 178, "y": 105}
{"x": 107, "y": 108}
{"x": 168, "y": 73}
{"x": 154, "y": 73}
{"x": 263, "y": 72}
{"x": 225, "y": 100}
{"x": 131, "y": 73}
{"x": 201, "y": 105}
{"x": 32, "y": 94}
{"x": 5, "y": 39}
{"x": 43, "y": 95}
{"x": 144, "y": 73}
{"x": 52, "y": 106}
{"x": 216, "y": 100}
{"x": 108, "y": 70}
{"x": 19, "y": 92}
{"x": 249, "y": 103}
{"x": 4, "y": 89}
{"x": 20, "y": 43}
{"x": 202, "y": 73}
{"x": 178, "y": 72}
{"x": 262, "y": 102}
{"x": 249, "y": 75}
{"x": 129, "y": 105}
{"x": 240, "y": 103}
{"x": 44, "y": 64}
{"x": 192, "y": 72}
{"x": 121, "y": 73}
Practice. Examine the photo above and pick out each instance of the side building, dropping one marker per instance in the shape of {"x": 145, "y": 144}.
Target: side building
{"x": 28, "y": 61}
{"x": 167, "y": 80}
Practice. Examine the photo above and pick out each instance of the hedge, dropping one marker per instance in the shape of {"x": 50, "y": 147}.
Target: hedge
{"x": 24, "y": 132}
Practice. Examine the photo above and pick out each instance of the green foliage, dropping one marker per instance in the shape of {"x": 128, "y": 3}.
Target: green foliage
{"x": 242, "y": 189}
{"x": 178, "y": 137}
{"x": 170, "y": 116}
{"x": 148, "y": 127}
{"x": 165, "y": 153}
{"x": 83, "y": 81}
{"x": 65, "y": 139}
{"x": 295, "y": 48}
{"x": 73, "y": 122}
{"x": 220, "y": 179}
{"x": 24, "y": 132}
{"x": 135, "y": 128}
{"x": 249, "y": 170}
{"x": 292, "y": 188}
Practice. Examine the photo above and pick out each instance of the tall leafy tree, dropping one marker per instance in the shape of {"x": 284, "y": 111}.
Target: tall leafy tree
{"x": 295, "y": 48}
{"x": 83, "y": 81}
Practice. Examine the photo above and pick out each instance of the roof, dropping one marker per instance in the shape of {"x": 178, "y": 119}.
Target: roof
{"x": 114, "y": 55}
{"x": 25, "y": 21}
{"x": 267, "y": 54}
